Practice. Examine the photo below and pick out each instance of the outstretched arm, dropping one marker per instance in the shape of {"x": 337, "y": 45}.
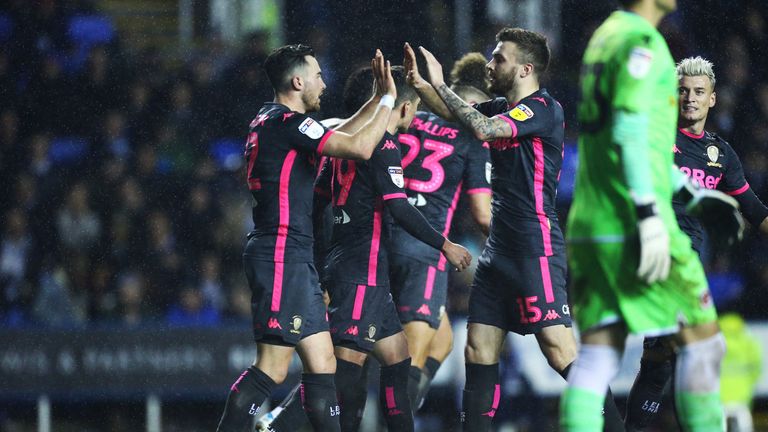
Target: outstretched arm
{"x": 361, "y": 143}
{"x": 425, "y": 90}
{"x": 358, "y": 119}
{"x": 484, "y": 128}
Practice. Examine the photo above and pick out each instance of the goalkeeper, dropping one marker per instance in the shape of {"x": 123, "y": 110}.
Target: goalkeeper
{"x": 711, "y": 163}
{"x": 633, "y": 269}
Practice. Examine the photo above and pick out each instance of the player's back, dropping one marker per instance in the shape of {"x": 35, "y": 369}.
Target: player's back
{"x": 280, "y": 154}
{"x": 627, "y": 66}
{"x": 357, "y": 252}
{"x": 440, "y": 160}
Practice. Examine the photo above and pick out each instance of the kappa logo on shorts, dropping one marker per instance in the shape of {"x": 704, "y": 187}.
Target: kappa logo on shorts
{"x": 551, "y": 315}
{"x": 296, "y": 324}
{"x": 424, "y": 310}
{"x": 351, "y": 331}
{"x": 274, "y": 324}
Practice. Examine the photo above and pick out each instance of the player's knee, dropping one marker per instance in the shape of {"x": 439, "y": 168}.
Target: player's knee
{"x": 277, "y": 373}
{"x": 322, "y": 363}
{"x": 478, "y": 353}
{"x": 560, "y": 356}
{"x": 698, "y": 365}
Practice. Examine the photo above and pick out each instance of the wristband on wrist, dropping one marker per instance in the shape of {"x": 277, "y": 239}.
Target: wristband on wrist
{"x": 644, "y": 211}
{"x": 387, "y": 101}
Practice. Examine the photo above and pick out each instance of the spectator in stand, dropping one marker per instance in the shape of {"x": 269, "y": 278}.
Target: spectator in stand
{"x": 131, "y": 306}
{"x": 162, "y": 261}
{"x": 209, "y": 282}
{"x": 191, "y": 309}
{"x": 16, "y": 266}
{"x": 78, "y": 226}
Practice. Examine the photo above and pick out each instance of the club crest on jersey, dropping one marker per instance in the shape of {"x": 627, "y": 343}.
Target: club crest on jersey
{"x": 713, "y": 153}
{"x": 521, "y": 112}
{"x": 311, "y": 128}
{"x": 396, "y": 174}
{"x": 639, "y": 62}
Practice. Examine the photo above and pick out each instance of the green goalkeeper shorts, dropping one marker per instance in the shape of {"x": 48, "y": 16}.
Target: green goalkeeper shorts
{"x": 605, "y": 288}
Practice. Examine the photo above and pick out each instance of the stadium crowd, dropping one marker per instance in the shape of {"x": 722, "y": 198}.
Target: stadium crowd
{"x": 123, "y": 197}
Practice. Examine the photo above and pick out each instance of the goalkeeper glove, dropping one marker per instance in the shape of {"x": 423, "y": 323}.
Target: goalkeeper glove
{"x": 718, "y": 213}
{"x": 654, "y": 244}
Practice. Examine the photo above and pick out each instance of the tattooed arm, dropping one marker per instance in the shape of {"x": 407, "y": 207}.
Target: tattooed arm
{"x": 485, "y": 128}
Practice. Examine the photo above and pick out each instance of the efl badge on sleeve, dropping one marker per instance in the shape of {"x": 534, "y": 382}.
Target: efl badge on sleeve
{"x": 639, "y": 62}
{"x": 713, "y": 153}
{"x": 521, "y": 112}
{"x": 311, "y": 128}
{"x": 396, "y": 173}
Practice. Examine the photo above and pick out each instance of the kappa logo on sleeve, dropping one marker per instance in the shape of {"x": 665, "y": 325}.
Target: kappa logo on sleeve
{"x": 311, "y": 128}
{"x": 521, "y": 112}
{"x": 396, "y": 174}
{"x": 640, "y": 60}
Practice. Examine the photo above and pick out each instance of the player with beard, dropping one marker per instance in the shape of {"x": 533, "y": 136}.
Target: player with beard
{"x": 520, "y": 281}
{"x": 441, "y": 160}
{"x": 288, "y": 310}
{"x": 709, "y": 161}
{"x": 363, "y": 317}
{"x": 289, "y": 415}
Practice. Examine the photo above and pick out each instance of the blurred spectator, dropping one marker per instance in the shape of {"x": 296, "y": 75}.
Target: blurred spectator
{"x": 16, "y": 262}
{"x": 240, "y": 302}
{"x": 78, "y": 226}
{"x": 200, "y": 219}
{"x": 48, "y": 97}
{"x": 191, "y": 309}
{"x": 140, "y": 112}
{"x": 98, "y": 88}
{"x": 55, "y": 304}
{"x": 112, "y": 141}
{"x": 131, "y": 306}
{"x": 163, "y": 261}
{"x": 210, "y": 283}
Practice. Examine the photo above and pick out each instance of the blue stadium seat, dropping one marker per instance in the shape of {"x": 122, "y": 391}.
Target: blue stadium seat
{"x": 90, "y": 29}
{"x": 227, "y": 152}
{"x": 6, "y": 27}
{"x": 67, "y": 150}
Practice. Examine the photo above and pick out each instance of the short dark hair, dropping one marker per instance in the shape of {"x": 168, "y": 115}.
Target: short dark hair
{"x": 532, "y": 45}
{"x": 283, "y": 61}
{"x": 359, "y": 85}
{"x": 404, "y": 91}
{"x": 358, "y": 89}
